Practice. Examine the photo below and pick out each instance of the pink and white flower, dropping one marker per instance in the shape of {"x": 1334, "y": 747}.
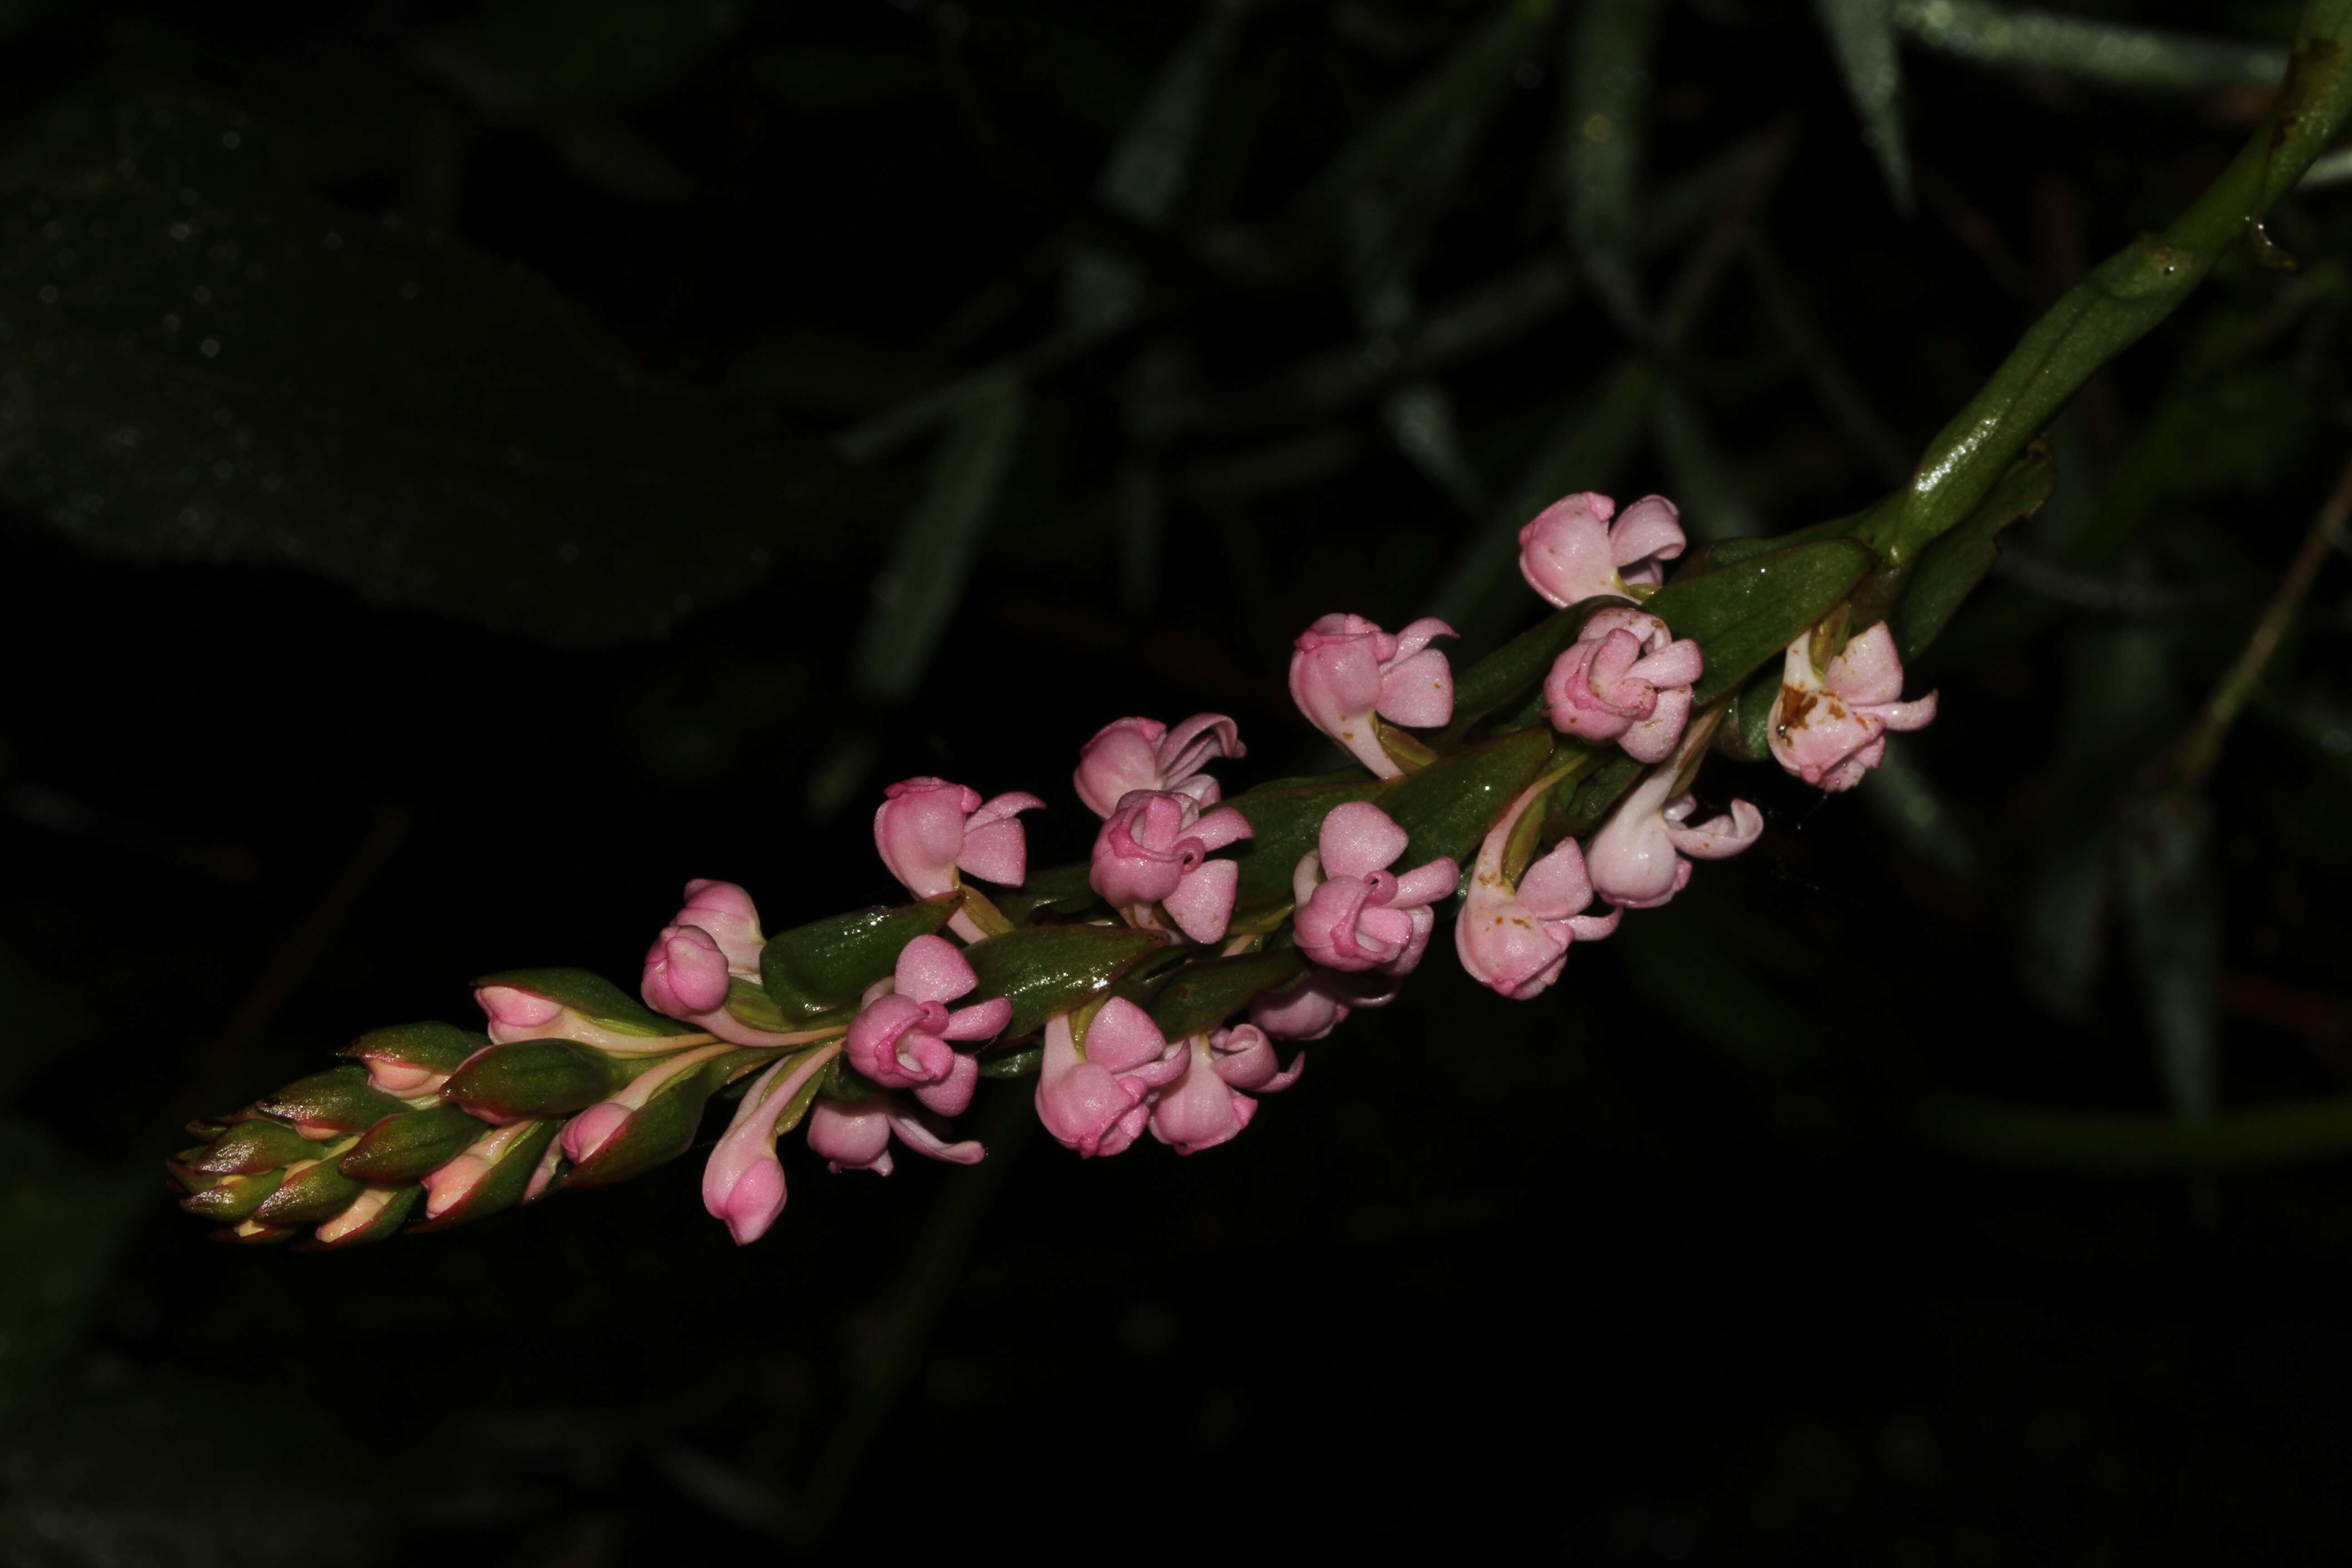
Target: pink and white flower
{"x": 1206, "y": 1107}
{"x": 1347, "y": 670}
{"x": 902, "y": 1037}
{"x": 855, "y": 1135}
{"x": 1642, "y": 856}
{"x": 1625, "y": 678}
{"x": 1571, "y": 551}
{"x": 932, "y": 834}
{"x": 1831, "y": 725}
{"x": 1516, "y": 938}
{"x": 1353, "y": 914}
{"x": 1096, "y": 1094}
{"x": 743, "y": 1181}
{"x": 1129, "y": 754}
{"x": 1154, "y": 854}
{"x": 1312, "y": 1007}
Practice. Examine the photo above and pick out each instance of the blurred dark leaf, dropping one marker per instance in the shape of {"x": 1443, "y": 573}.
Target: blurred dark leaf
{"x": 201, "y": 363}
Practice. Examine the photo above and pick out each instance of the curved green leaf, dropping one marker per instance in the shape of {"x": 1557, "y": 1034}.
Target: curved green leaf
{"x": 1046, "y": 969}
{"x": 823, "y": 966}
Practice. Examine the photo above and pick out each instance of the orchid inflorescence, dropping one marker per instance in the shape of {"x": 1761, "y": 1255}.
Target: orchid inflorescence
{"x": 1157, "y": 987}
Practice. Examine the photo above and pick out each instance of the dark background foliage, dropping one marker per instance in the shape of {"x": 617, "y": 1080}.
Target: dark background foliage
{"x": 466, "y": 469}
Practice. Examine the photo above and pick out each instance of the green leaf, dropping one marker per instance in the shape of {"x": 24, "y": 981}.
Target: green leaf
{"x": 430, "y": 1048}
{"x": 918, "y": 592}
{"x": 1203, "y": 996}
{"x": 248, "y": 1148}
{"x": 2171, "y": 900}
{"x": 1012, "y": 1064}
{"x": 234, "y": 1197}
{"x": 658, "y": 1131}
{"x": 390, "y": 1205}
{"x": 593, "y": 997}
{"x": 824, "y": 966}
{"x": 1047, "y": 970}
{"x": 1519, "y": 666}
{"x": 1951, "y": 569}
{"x": 1608, "y": 104}
{"x": 310, "y": 1196}
{"x": 403, "y": 1148}
{"x": 1590, "y": 795}
{"x": 1749, "y": 611}
{"x": 2146, "y": 60}
{"x": 1284, "y": 819}
{"x": 535, "y": 1078}
{"x": 339, "y": 1098}
{"x": 513, "y": 1154}
{"x": 1448, "y": 807}
{"x": 1862, "y": 36}
{"x": 1063, "y": 890}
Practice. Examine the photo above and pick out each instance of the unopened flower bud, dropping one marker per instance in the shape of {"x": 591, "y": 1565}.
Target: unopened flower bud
{"x": 743, "y": 1181}
{"x": 410, "y": 1059}
{"x": 727, "y": 913}
{"x": 686, "y": 972}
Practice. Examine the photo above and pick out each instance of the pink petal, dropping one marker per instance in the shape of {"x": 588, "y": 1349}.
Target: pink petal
{"x": 1427, "y": 884}
{"x": 1357, "y": 839}
{"x": 1202, "y": 904}
{"x": 1555, "y": 886}
{"x": 997, "y": 853}
{"x": 1719, "y": 837}
{"x": 1418, "y": 692}
{"x": 933, "y": 969}
{"x": 1648, "y": 534}
{"x": 1123, "y": 1037}
{"x": 1868, "y": 671}
{"x": 952, "y": 1095}
{"x": 981, "y": 1021}
{"x": 1219, "y": 827}
{"x": 915, "y": 1135}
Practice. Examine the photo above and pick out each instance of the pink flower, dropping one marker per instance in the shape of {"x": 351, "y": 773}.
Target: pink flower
{"x": 1352, "y": 913}
{"x": 686, "y": 972}
{"x": 1830, "y": 726}
{"x": 1636, "y": 861}
{"x": 727, "y": 913}
{"x": 1311, "y": 1008}
{"x": 743, "y": 1181}
{"x": 1625, "y": 678}
{"x": 1129, "y": 754}
{"x": 1206, "y": 1107}
{"x": 900, "y": 1039}
{"x": 1569, "y": 553}
{"x": 1515, "y": 939}
{"x": 1155, "y": 850}
{"x": 1095, "y": 1095}
{"x": 1347, "y": 670}
{"x": 855, "y": 1135}
{"x": 927, "y": 829}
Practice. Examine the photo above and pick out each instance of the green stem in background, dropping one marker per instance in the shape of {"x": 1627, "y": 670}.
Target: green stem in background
{"x": 2201, "y": 747}
{"x": 2124, "y": 297}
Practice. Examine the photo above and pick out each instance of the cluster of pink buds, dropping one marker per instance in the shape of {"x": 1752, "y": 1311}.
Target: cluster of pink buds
{"x": 874, "y": 1028}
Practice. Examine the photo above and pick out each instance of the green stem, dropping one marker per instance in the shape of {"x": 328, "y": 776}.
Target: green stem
{"x": 2124, "y": 297}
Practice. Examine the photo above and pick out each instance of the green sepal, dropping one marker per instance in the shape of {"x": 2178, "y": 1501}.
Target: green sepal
{"x": 1746, "y": 612}
{"x": 1063, "y": 890}
{"x": 536, "y": 1078}
{"x": 1203, "y": 995}
{"x": 747, "y": 1003}
{"x": 820, "y": 967}
{"x": 1283, "y": 820}
{"x": 1589, "y": 797}
{"x": 1948, "y": 570}
{"x": 433, "y": 1048}
{"x": 591, "y": 996}
{"x": 403, "y": 1148}
{"x": 502, "y": 1185}
{"x": 233, "y": 1198}
{"x": 310, "y": 1197}
{"x": 1520, "y": 665}
{"x": 339, "y": 1098}
{"x": 383, "y": 1226}
{"x": 1046, "y": 970}
{"x": 1746, "y": 733}
{"x": 1448, "y": 807}
{"x": 841, "y": 1081}
{"x": 249, "y": 1147}
{"x": 657, "y": 1132}
{"x": 1013, "y": 1063}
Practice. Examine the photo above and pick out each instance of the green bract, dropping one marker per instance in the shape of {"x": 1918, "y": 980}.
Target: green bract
{"x": 821, "y": 967}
